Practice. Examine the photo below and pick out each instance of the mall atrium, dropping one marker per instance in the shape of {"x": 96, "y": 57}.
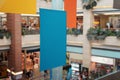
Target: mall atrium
{"x": 91, "y": 34}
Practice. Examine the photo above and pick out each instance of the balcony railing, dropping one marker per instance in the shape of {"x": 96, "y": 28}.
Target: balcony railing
{"x": 26, "y": 31}
{"x": 101, "y": 33}
{"x": 33, "y": 37}
{"x": 75, "y": 31}
{"x": 111, "y": 37}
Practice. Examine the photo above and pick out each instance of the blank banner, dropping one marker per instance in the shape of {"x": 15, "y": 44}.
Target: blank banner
{"x": 70, "y": 8}
{"x": 52, "y": 39}
{"x": 18, "y": 6}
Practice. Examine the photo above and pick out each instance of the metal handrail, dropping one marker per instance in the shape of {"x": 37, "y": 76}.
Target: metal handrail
{"x": 107, "y": 75}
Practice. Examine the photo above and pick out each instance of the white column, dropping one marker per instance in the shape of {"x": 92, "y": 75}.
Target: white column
{"x": 57, "y": 4}
{"x": 114, "y": 65}
{"x": 57, "y": 73}
{"x": 88, "y": 19}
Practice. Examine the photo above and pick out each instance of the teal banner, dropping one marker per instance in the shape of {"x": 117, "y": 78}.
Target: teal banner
{"x": 52, "y": 39}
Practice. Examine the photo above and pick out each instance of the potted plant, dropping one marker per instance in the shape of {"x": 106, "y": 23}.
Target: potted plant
{"x": 89, "y": 4}
{"x": 91, "y": 35}
{"x": 7, "y": 34}
{"x": 118, "y": 34}
{"x": 1, "y": 34}
{"x": 96, "y": 34}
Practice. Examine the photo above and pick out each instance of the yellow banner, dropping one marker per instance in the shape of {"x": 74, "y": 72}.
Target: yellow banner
{"x": 18, "y": 6}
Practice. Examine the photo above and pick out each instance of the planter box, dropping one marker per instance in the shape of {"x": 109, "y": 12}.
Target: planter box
{"x": 4, "y": 41}
{"x": 74, "y": 38}
{"x": 112, "y": 40}
{"x": 27, "y": 40}
{"x": 30, "y": 40}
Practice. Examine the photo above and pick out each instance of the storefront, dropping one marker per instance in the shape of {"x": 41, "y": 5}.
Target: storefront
{"x": 3, "y": 64}
{"x": 76, "y": 70}
{"x": 101, "y": 66}
{"x": 28, "y": 21}
{"x": 30, "y": 60}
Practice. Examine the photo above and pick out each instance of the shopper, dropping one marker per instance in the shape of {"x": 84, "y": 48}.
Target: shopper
{"x": 84, "y": 77}
{"x": 69, "y": 74}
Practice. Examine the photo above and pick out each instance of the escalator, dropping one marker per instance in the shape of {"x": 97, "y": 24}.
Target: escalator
{"x": 111, "y": 76}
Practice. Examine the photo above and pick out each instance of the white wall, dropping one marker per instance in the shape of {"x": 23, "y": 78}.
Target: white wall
{"x": 48, "y": 5}
{"x": 76, "y": 56}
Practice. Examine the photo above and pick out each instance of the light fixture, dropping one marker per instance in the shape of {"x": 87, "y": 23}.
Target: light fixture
{"x": 1, "y": 13}
{"x": 112, "y": 13}
{"x": 29, "y": 15}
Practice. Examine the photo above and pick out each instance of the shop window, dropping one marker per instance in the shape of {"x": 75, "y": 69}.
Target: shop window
{"x": 30, "y": 22}
{"x": 3, "y": 21}
{"x": 3, "y": 71}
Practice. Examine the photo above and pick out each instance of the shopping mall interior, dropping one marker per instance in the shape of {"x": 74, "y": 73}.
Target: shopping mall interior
{"x": 92, "y": 45}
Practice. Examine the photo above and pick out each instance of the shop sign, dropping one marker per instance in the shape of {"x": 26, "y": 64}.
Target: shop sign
{"x": 102, "y": 60}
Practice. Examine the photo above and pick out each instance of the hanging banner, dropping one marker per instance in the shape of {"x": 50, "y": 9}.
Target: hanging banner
{"x": 70, "y": 8}
{"x": 52, "y": 39}
{"x": 18, "y": 6}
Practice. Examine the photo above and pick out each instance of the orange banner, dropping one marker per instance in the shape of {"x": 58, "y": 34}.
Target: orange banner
{"x": 70, "y": 8}
{"x": 18, "y": 6}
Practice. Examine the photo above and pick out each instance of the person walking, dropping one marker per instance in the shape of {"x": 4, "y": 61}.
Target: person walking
{"x": 69, "y": 75}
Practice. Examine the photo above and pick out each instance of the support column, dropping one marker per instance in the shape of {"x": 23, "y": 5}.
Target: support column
{"x": 57, "y": 73}
{"x": 114, "y": 65}
{"x": 15, "y": 57}
{"x": 57, "y": 4}
{"x": 88, "y": 19}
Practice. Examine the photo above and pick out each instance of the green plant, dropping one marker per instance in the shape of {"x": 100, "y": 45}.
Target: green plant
{"x": 69, "y": 31}
{"x": 89, "y": 4}
{"x": 74, "y": 31}
{"x": 110, "y": 32}
{"x": 118, "y": 34}
{"x": 96, "y": 34}
{"x": 5, "y": 33}
{"x": 91, "y": 34}
{"x": 1, "y": 35}
{"x": 24, "y": 31}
